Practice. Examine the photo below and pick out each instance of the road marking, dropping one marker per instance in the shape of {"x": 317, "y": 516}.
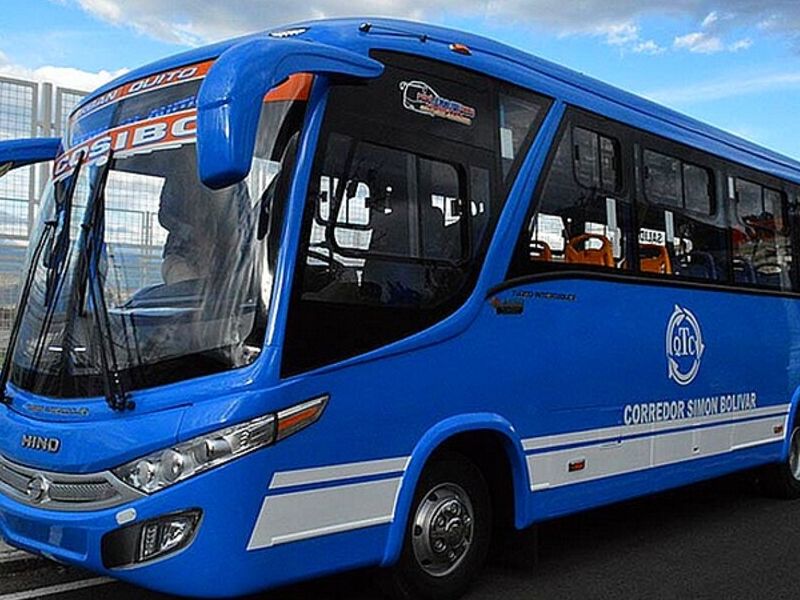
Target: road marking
{"x": 13, "y": 556}
{"x": 58, "y": 589}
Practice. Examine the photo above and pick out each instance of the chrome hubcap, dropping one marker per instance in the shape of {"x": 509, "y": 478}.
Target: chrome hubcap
{"x": 794, "y": 455}
{"x": 443, "y": 528}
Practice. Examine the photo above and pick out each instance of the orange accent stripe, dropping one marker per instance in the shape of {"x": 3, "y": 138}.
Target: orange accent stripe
{"x": 304, "y": 415}
{"x": 297, "y": 87}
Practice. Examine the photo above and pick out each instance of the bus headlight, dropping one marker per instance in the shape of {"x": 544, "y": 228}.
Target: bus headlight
{"x": 163, "y": 469}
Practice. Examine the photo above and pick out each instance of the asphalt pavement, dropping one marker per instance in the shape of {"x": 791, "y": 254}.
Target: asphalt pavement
{"x": 720, "y": 539}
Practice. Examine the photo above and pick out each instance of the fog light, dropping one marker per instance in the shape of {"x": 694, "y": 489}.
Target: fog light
{"x": 150, "y": 540}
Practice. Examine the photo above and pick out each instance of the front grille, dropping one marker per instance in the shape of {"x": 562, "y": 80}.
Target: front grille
{"x": 62, "y": 491}
{"x": 91, "y": 491}
{"x": 18, "y": 481}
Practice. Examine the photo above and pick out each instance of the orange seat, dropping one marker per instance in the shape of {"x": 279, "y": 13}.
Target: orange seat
{"x": 654, "y": 259}
{"x": 577, "y": 252}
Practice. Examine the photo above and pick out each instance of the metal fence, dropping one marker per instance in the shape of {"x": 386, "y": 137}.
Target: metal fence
{"x": 27, "y": 109}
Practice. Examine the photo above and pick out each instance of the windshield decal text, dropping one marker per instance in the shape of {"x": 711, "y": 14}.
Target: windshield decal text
{"x": 146, "y": 84}
{"x": 160, "y": 133}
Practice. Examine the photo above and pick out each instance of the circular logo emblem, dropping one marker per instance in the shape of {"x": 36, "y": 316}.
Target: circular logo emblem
{"x": 38, "y": 488}
{"x": 685, "y": 346}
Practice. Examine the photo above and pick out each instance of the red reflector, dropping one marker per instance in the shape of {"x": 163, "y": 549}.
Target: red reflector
{"x": 297, "y": 87}
{"x": 577, "y": 465}
{"x": 778, "y": 429}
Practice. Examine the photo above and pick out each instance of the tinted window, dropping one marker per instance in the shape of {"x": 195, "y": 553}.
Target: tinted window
{"x": 698, "y": 189}
{"x": 576, "y": 222}
{"x": 761, "y": 241}
{"x": 520, "y": 116}
{"x": 662, "y": 179}
{"x": 679, "y": 236}
{"x": 596, "y": 159}
{"x": 404, "y": 199}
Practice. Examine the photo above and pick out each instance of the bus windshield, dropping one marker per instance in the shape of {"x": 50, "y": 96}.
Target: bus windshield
{"x": 145, "y": 270}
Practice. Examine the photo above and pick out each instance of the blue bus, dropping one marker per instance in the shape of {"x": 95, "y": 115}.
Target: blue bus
{"x": 365, "y": 294}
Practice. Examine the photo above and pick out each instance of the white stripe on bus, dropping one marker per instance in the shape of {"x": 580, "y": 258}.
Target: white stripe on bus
{"x": 338, "y": 472}
{"x": 550, "y": 470}
{"x": 592, "y": 435}
{"x": 298, "y": 516}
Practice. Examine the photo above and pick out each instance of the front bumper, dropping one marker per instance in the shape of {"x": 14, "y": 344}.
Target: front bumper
{"x": 217, "y": 563}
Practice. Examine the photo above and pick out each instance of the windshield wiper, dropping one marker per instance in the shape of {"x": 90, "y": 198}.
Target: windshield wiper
{"x": 89, "y": 273}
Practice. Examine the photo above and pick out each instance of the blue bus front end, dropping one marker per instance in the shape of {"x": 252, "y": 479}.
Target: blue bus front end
{"x": 147, "y": 433}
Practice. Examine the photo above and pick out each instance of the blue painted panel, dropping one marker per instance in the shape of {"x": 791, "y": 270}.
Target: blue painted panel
{"x": 21, "y": 153}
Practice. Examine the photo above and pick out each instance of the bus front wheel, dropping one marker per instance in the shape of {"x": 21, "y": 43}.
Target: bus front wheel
{"x": 448, "y": 533}
{"x": 782, "y": 480}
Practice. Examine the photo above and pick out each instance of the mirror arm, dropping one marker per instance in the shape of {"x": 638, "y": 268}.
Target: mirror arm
{"x": 231, "y": 97}
{"x": 20, "y": 153}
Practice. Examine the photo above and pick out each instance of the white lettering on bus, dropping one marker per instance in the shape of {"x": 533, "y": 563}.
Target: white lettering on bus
{"x": 647, "y": 413}
{"x": 149, "y": 134}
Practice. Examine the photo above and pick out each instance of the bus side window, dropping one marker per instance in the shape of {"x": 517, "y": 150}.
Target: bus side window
{"x": 581, "y": 217}
{"x": 678, "y": 230}
{"x": 762, "y": 244}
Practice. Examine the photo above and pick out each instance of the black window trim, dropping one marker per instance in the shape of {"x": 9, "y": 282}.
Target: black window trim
{"x": 785, "y": 209}
{"x": 715, "y": 203}
{"x": 721, "y": 169}
{"x": 619, "y": 158}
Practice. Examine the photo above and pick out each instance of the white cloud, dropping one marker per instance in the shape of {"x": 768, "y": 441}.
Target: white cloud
{"x": 731, "y": 87}
{"x": 649, "y": 47}
{"x": 620, "y": 34}
{"x": 61, "y": 76}
{"x": 699, "y": 42}
{"x": 710, "y": 19}
{"x": 197, "y": 21}
{"x": 743, "y": 44}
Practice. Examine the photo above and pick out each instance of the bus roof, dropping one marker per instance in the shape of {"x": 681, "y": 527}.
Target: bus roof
{"x": 504, "y": 62}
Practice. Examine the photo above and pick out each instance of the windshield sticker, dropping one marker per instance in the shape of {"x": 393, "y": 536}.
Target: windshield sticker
{"x": 147, "y": 84}
{"x": 421, "y": 98}
{"x": 160, "y": 133}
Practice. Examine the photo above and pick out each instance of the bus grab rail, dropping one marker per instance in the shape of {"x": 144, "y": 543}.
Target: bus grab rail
{"x": 230, "y": 98}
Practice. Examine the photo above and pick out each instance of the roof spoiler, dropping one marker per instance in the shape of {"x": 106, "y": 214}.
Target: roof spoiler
{"x": 230, "y": 99}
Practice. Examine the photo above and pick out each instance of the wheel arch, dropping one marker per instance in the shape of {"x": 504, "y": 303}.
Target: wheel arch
{"x": 436, "y": 438}
{"x": 791, "y": 422}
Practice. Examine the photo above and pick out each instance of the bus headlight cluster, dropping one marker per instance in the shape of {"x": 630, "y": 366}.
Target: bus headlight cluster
{"x": 163, "y": 469}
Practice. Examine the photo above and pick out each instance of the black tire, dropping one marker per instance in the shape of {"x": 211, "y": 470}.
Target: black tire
{"x": 439, "y": 486}
{"x": 782, "y": 480}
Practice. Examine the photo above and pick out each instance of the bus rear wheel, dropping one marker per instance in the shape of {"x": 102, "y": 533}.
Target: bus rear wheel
{"x": 782, "y": 480}
{"x": 448, "y": 533}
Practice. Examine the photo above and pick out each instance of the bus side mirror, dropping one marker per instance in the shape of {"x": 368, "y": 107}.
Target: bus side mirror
{"x": 231, "y": 97}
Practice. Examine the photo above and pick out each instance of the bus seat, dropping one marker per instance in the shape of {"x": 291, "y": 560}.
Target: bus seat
{"x": 699, "y": 265}
{"x": 577, "y": 252}
{"x": 654, "y": 259}
{"x": 743, "y": 271}
{"x": 772, "y": 275}
{"x": 540, "y": 251}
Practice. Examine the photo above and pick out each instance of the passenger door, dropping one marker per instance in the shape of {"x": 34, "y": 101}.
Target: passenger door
{"x": 575, "y": 334}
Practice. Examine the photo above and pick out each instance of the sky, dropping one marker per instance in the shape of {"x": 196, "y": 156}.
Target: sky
{"x": 732, "y": 63}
